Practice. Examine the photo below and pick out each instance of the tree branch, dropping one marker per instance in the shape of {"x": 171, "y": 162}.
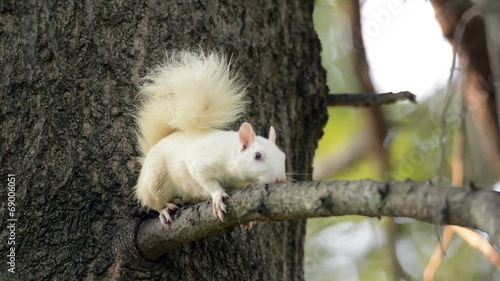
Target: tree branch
{"x": 474, "y": 208}
{"x": 368, "y": 99}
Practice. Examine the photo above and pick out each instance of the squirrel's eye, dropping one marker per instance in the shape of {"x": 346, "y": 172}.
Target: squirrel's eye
{"x": 257, "y": 156}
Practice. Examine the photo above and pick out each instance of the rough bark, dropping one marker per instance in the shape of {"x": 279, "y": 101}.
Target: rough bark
{"x": 68, "y": 85}
{"x": 469, "y": 207}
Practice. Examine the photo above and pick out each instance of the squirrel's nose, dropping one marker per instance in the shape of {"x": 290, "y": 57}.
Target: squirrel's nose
{"x": 278, "y": 180}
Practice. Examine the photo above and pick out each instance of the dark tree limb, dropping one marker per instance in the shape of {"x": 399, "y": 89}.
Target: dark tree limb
{"x": 368, "y": 99}
{"x": 474, "y": 208}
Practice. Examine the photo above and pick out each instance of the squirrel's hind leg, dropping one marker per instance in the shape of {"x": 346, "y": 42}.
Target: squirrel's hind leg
{"x": 165, "y": 217}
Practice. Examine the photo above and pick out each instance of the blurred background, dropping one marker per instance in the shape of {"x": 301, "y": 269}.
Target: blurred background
{"x": 450, "y": 137}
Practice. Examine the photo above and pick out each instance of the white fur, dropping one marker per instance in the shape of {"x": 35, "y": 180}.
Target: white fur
{"x": 190, "y": 92}
{"x": 193, "y": 166}
{"x": 186, "y": 157}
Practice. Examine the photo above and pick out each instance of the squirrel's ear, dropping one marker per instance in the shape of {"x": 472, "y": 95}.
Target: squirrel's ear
{"x": 246, "y": 134}
{"x": 272, "y": 134}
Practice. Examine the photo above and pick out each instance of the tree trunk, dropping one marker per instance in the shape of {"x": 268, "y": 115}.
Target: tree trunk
{"x": 68, "y": 87}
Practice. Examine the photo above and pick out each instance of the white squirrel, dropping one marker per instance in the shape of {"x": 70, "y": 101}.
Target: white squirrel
{"x": 187, "y": 158}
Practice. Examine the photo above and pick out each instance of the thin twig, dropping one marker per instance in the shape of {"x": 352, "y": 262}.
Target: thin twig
{"x": 467, "y": 16}
{"x": 368, "y": 99}
{"x": 437, "y": 256}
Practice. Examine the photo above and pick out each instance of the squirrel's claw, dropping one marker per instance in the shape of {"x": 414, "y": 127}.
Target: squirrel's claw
{"x": 165, "y": 217}
{"x": 218, "y": 205}
{"x": 249, "y": 225}
{"x": 178, "y": 202}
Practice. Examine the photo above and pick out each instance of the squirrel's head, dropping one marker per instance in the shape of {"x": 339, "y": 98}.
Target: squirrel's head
{"x": 262, "y": 161}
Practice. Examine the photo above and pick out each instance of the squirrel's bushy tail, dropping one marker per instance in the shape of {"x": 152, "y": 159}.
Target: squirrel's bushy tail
{"x": 190, "y": 92}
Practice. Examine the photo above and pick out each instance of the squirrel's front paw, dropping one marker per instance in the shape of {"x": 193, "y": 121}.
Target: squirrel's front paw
{"x": 218, "y": 203}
